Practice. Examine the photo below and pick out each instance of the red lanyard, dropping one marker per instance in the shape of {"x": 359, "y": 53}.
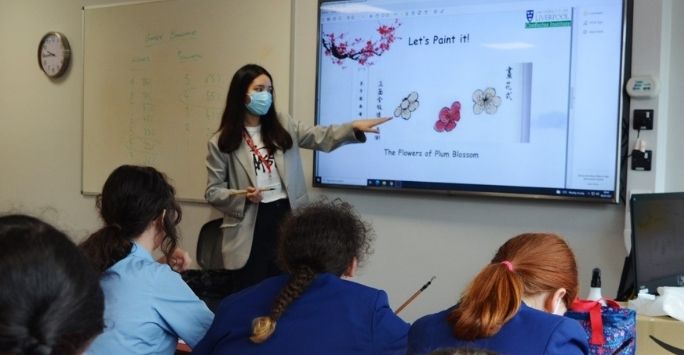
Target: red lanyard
{"x": 255, "y": 150}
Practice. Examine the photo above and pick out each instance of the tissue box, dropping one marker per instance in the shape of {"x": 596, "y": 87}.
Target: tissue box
{"x": 659, "y": 335}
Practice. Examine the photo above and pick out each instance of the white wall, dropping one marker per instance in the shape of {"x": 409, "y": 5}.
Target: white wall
{"x": 675, "y": 143}
{"x": 417, "y": 235}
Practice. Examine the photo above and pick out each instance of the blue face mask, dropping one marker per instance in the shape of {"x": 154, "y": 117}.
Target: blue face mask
{"x": 259, "y": 102}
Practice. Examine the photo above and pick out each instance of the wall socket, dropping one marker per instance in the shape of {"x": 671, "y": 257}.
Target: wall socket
{"x": 641, "y": 160}
{"x": 643, "y": 119}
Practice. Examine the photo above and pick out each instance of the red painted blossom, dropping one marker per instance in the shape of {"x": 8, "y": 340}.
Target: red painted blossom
{"x": 448, "y": 117}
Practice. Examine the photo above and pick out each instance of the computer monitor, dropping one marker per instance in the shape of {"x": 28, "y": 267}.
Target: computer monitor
{"x": 657, "y": 240}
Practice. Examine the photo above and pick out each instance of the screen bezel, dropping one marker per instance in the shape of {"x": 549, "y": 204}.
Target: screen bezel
{"x": 622, "y": 133}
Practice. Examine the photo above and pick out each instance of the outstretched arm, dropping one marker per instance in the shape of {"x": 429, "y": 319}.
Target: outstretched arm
{"x": 369, "y": 125}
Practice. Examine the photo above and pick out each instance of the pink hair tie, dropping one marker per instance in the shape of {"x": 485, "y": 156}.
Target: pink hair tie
{"x": 508, "y": 264}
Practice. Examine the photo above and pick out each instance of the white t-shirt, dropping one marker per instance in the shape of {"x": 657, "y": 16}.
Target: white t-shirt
{"x": 264, "y": 178}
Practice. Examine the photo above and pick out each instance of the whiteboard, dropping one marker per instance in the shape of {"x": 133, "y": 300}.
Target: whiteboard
{"x": 156, "y": 75}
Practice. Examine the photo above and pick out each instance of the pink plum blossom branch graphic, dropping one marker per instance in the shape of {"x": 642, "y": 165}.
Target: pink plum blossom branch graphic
{"x": 339, "y": 49}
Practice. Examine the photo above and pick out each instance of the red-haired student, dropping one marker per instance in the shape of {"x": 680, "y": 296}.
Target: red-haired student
{"x": 513, "y": 306}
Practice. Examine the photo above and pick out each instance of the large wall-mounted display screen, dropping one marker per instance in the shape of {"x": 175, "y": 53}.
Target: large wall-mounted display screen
{"x": 487, "y": 96}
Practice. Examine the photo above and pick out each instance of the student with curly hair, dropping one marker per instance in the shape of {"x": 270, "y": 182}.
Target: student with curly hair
{"x": 50, "y": 297}
{"x": 312, "y": 309}
{"x": 513, "y": 306}
{"x": 148, "y": 306}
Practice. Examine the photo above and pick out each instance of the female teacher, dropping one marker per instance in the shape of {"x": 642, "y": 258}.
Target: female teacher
{"x": 255, "y": 173}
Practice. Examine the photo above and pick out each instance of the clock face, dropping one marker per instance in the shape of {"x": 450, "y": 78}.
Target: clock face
{"x": 54, "y": 54}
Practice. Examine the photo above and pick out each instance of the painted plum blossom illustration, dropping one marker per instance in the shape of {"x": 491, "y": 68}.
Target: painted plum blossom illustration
{"x": 448, "y": 117}
{"x": 486, "y": 101}
{"x": 408, "y": 104}
{"x": 340, "y": 49}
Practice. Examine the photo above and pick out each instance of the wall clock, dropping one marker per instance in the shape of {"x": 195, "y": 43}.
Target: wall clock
{"x": 54, "y": 54}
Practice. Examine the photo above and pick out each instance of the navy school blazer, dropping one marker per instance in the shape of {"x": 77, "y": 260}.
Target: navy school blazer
{"x": 332, "y": 316}
{"x": 529, "y": 332}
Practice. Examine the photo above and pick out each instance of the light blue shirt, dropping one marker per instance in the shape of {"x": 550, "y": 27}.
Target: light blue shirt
{"x": 147, "y": 308}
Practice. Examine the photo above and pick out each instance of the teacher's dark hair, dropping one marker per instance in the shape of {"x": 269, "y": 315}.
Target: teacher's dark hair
{"x": 232, "y": 124}
{"x": 50, "y": 297}
{"x": 324, "y": 237}
{"x": 132, "y": 197}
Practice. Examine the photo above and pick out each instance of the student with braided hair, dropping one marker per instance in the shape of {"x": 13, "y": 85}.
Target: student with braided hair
{"x": 312, "y": 309}
{"x": 513, "y": 306}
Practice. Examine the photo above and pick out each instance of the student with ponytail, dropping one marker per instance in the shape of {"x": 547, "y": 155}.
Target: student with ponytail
{"x": 312, "y": 309}
{"x": 147, "y": 304}
{"x": 513, "y": 306}
{"x": 50, "y": 299}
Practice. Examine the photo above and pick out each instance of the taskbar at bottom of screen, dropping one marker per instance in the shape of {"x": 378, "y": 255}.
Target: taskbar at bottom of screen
{"x": 602, "y": 195}
{"x": 456, "y": 188}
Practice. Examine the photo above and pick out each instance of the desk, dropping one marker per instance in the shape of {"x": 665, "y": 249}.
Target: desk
{"x": 657, "y": 335}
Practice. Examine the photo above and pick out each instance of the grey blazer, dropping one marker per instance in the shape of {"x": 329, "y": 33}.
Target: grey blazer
{"x": 239, "y": 214}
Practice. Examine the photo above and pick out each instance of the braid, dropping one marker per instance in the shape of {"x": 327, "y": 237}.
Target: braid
{"x": 264, "y": 326}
